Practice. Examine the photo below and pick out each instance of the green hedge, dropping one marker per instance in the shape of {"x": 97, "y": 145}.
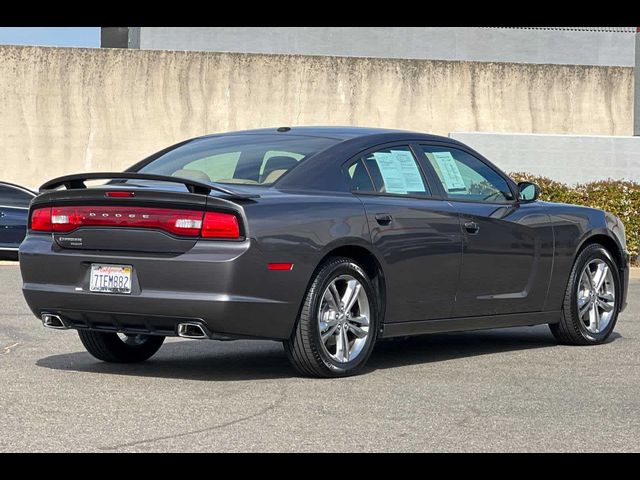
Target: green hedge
{"x": 622, "y": 198}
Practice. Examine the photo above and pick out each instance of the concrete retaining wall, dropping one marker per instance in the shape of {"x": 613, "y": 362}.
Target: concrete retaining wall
{"x": 69, "y": 110}
{"x": 567, "y": 158}
{"x": 637, "y": 88}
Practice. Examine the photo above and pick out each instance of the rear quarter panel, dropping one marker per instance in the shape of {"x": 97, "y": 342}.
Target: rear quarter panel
{"x": 301, "y": 228}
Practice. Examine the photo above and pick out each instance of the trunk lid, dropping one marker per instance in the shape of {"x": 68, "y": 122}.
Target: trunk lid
{"x": 142, "y": 216}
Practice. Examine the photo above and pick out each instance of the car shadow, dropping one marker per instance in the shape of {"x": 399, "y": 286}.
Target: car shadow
{"x": 256, "y": 360}
{"x": 8, "y": 256}
{"x": 191, "y": 360}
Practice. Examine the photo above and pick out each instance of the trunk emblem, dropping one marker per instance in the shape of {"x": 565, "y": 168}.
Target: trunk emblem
{"x": 119, "y": 215}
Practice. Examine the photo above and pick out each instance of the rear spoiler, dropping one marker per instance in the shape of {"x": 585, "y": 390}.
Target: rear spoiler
{"x": 71, "y": 182}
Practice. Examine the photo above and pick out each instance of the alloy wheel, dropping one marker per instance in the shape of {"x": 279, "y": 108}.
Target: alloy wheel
{"x": 596, "y": 296}
{"x": 343, "y": 318}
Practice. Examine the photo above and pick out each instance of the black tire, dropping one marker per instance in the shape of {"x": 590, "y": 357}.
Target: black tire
{"x": 109, "y": 347}
{"x": 571, "y": 330}
{"x": 304, "y": 348}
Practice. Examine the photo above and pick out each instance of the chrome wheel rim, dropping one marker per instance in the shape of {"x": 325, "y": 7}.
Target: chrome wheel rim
{"x": 343, "y": 319}
{"x": 596, "y": 296}
{"x": 132, "y": 339}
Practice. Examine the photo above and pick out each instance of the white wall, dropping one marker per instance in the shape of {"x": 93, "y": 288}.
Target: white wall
{"x": 637, "y": 87}
{"x": 566, "y": 158}
{"x": 607, "y": 46}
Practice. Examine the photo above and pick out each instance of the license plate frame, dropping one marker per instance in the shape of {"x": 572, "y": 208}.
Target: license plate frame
{"x": 110, "y": 278}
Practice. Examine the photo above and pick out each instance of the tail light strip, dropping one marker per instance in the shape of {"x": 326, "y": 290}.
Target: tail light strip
{"x": 182, "y": 223}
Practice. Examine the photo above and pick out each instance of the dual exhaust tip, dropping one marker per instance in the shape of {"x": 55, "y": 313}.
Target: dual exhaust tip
{"x": 185, "y": 329}
{"x": 50, "y": 320}
{"x": 192, "y": 330}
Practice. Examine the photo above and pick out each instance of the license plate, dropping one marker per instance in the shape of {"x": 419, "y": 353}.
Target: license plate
{"x": 110, "y": 278}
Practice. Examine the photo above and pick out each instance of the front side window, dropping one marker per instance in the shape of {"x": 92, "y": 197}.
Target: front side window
{"x": 464, "y": 177}
{"x": 394, "y": 170}
{"x": 239, "y": 159}
{"x": 14, "y": 197}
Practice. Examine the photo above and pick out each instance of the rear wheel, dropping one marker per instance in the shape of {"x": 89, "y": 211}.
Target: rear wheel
{"x": 592, "y": 301}
{"x": 337, "y": 328}
{"x": 120, "y": 347}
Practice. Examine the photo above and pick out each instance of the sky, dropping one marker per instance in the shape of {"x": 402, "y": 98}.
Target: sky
{"x": 51, "y": 36}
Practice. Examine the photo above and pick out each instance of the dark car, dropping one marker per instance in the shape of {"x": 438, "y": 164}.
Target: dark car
{"x": 325, "y": 238}
{"x": 14, "y": 214}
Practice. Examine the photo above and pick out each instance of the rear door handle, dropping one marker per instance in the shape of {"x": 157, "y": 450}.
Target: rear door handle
{"x": 384, "y": 218}
{"x": 472, "y": 228}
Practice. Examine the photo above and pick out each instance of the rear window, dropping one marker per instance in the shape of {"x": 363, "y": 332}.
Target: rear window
{"x": 237, "y": 159}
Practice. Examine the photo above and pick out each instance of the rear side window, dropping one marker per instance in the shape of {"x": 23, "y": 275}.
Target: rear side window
{"x": 359, "y": 178}
{"x": 241, "y": 159}
{"x": 13, "y": 197}
{"x": 395, "y": 171}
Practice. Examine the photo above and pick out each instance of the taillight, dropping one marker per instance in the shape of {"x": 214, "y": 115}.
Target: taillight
{"x": 41, "y": 220}
{"x": 182, "y": 223}
{"x": 220, "y": 225}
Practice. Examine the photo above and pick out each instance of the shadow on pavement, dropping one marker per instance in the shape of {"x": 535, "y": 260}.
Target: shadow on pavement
{"x": 191, "y": 360}
{"x": 256, "y": 360}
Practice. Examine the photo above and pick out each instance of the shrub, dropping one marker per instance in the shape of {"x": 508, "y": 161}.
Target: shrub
{"x": 620, "y": 197}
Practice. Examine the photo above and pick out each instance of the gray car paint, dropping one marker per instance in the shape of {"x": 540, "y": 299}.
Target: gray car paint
{"x": 435, "y": 277}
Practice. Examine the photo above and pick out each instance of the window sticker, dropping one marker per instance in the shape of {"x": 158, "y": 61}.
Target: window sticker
{"x": 391, "y": 172}
{"x": 399, "y": 172}
{"x": 450, "y": 172}
{"x": 412, "y": 178}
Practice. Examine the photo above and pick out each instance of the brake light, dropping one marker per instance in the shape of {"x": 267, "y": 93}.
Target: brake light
{"x": 118, "y": 194}
{"x": 220, "y": 225}
{"x": 183, "y": 223}
{"x": 41, "y": 220}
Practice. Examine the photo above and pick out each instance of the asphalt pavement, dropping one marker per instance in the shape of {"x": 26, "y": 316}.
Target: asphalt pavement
{"x": 498, "y": 390}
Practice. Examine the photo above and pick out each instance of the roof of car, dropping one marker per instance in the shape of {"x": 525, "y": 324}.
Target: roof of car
{"x": 335, "y": 132}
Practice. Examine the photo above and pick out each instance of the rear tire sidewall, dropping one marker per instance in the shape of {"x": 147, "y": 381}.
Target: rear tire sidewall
{"x": 345, "y": 268}
{"x": 109, "y": 347}
{"x": 602, "y": 254}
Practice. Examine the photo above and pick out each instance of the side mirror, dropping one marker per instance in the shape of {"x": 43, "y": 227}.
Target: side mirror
{"x": 528, "y": 192}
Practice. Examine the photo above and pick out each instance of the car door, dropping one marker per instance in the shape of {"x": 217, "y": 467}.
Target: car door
{"x": 14, "y": 208}
{"x": 416, "y": 233}
{"x": 507, "y": 245}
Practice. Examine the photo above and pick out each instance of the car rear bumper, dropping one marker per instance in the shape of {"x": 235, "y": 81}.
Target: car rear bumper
{"x": 225, "y": 286}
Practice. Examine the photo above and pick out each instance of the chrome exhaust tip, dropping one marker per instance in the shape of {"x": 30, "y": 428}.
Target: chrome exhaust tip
{"x": 192, "y": 330}
{"x": 52, "y": 321}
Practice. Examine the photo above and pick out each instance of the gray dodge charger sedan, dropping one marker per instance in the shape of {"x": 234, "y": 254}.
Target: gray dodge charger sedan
{"x": 325, "y": 238}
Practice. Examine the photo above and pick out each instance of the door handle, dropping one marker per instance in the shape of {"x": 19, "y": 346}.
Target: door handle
{"x": 2, "y": 214}
{"x": 384, "y": 219}
{"x": 472, "y": 227}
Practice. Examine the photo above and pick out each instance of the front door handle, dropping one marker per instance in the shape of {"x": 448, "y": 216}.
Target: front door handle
{"x": 472, "y": 227}
{"x": 2, "y": 214}
{"x": 384, "y": 219}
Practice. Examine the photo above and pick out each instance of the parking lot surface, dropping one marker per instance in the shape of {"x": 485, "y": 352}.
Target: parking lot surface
{"x": 498, "y": 390}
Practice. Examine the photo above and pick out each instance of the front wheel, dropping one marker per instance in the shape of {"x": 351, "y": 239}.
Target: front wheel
{"x": 592, "y": 299}
{"x": 120, "y": 348}
{"x": 338, "y": 323}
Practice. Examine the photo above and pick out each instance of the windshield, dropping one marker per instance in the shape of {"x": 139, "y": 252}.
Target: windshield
{"x": 237, "y": 159}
